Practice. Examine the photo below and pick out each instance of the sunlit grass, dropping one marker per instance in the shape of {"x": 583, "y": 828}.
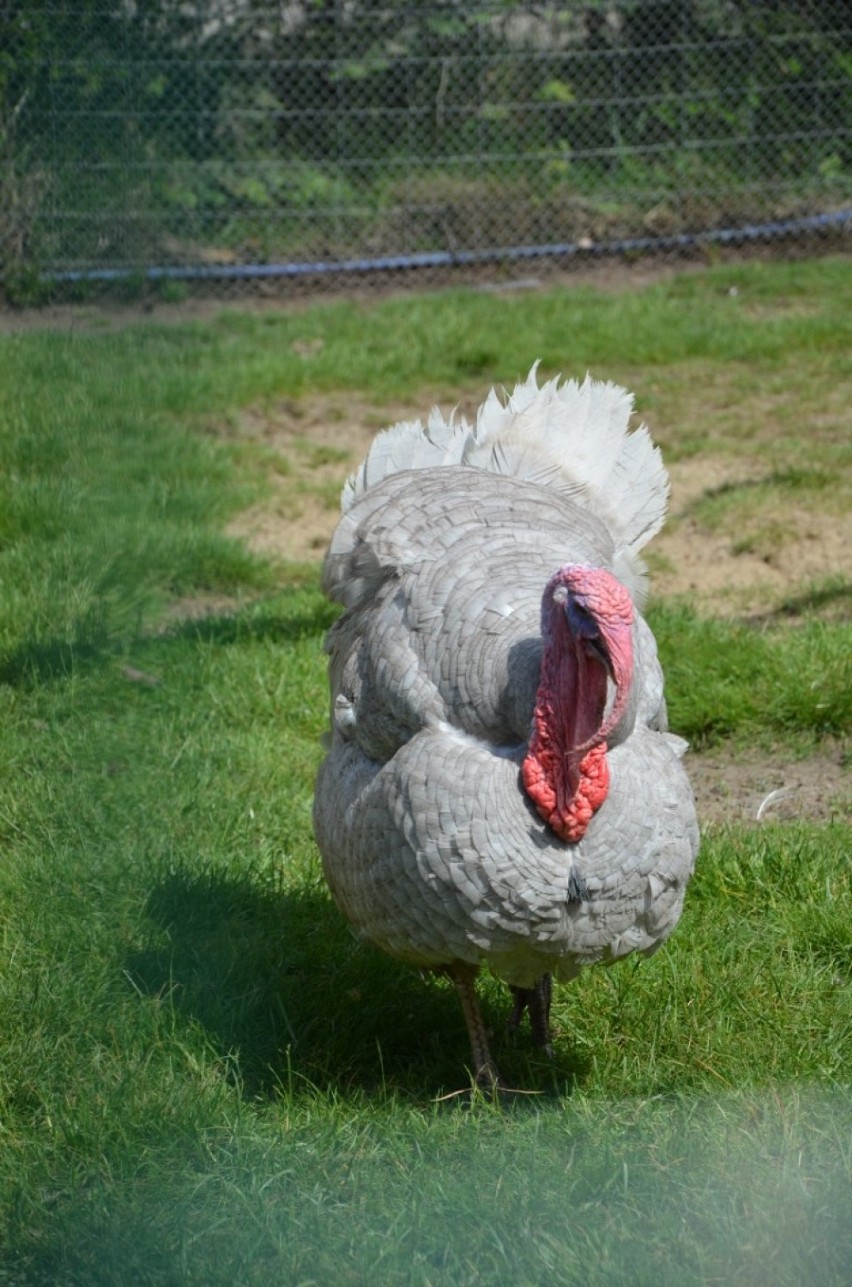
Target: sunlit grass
{"x": 728, "y": 680}
{"x": 204, "y": 1076}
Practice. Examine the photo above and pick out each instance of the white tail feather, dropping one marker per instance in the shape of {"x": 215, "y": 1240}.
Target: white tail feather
{"x": 572, "y": 437}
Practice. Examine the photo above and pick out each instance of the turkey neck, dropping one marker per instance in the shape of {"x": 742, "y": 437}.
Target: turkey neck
{"x": 565, "y": 772}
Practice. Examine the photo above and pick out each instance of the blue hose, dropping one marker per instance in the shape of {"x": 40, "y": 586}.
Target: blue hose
{"x": 841, "y": 219}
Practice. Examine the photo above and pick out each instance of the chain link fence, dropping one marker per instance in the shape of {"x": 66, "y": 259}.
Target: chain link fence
{"x": 236, "y": 140}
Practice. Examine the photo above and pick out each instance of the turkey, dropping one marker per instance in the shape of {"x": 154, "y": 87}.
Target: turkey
{"x": 499, "y": 786}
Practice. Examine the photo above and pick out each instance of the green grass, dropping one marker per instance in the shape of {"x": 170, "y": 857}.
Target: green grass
{"x": 204, "y": 1077}
{"x": 762, "y": 686}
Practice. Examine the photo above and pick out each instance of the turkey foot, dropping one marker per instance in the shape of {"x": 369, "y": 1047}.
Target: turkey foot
{"x": 537, "y": 1000}
{"x": 485, "y": 1072}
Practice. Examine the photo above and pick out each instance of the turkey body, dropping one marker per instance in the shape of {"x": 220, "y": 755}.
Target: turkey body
{"x": 432, "y": 845}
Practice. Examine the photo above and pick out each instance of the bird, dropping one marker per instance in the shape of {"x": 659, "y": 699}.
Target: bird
{"x": 500, "y": 788}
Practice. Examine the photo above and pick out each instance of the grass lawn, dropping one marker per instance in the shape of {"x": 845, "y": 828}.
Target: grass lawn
{"x": 204, "y": 1078}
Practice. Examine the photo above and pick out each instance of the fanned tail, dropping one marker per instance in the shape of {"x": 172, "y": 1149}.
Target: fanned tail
{"x": 572, "y": 437}
{"x": 409, "y": 445}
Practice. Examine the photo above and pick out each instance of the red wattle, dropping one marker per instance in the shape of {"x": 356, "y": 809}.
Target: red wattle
{"x": 571, "y": 821}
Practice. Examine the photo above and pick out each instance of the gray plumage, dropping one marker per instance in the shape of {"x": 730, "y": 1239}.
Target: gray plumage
{"x": 430, "y": 844}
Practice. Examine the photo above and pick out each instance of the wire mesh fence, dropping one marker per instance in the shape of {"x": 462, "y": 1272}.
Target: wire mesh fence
{"x": 236, "y": 139}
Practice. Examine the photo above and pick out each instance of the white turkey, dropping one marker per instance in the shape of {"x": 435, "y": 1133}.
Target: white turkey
{"x": 500, "y": 787}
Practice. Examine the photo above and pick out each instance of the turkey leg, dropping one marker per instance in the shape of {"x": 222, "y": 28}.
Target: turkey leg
{"x": 537, "y": 1000}
{"x": 484, "y": 1068}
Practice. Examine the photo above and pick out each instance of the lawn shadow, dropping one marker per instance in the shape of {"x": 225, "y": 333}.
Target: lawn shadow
{"x": 278, "y": 981}
{"x": 96, "y": 642}
{"x": 833, "y": 598}
{"x": 789, "y": 479}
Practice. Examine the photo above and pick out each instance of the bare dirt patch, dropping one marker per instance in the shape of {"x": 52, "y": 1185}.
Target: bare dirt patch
{"x": 313, "y": 448}
{"x": 764, "y": 787}
{"x": 728, "y": 574}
